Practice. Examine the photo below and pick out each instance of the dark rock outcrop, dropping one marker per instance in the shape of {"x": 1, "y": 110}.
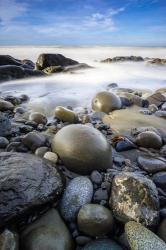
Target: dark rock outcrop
{"x": 13, "y": 72}
{"x": 47, "y": 60}
{"x": 26, "y": 182}
{"x": 123, "y": 59}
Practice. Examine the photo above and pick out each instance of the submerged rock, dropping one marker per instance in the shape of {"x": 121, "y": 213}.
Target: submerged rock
{"x": 149, "y": 139}
{"x": 66, "y": 115}
{"x": 106, "y": 102}
{"x": 47, "y": 233}
{"x": 103, "y": 244}
{"x": 78, "y": 193}
{"x": 95, "y": 220}
{"x": 47, "y": 60}
{"x": 82, "y": 149}
{"x": 26, "y": 183}
{"x": 140, "y": 238}
{"x": 134, "y": 197}
{"x": 123, "y": 59}
{"x": 9, "y": 240}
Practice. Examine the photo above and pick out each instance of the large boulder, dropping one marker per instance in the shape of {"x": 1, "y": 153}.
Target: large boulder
{"x": 13, "y": 72}
{"x": 82, "y": 148}
{"x": 106, "y": 102}
{"x": 9, "y": 60}
{"x": 48, "y": 232}
{"x": 47, "y": 60}
{"x": 140, "y": 238}
{"x": 26, "y": 182}
{"x": 134, "y": 197}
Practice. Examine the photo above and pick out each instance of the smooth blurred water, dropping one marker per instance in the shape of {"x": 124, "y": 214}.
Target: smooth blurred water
{"x": 78, "y": 89}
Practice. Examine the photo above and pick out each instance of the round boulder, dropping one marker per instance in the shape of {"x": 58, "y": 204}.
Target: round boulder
{"x": 134, "y": 197}
{"x": 82, "y": 149}
{"x": 95, "y": 220}
{"x": 149, "y": 139}
{"x": 106, "y": 102}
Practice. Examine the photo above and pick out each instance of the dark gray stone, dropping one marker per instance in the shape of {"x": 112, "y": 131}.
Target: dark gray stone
{"x": 5, "y": 125}
{"x": 3, "y": 142}
{"x": 26, "y": 183}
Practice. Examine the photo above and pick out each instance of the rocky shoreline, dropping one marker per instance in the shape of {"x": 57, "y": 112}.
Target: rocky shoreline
{"x": 78, "y": 181}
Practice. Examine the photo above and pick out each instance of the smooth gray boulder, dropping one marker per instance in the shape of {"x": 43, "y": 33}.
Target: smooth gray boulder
{"x": 82, "y": 148}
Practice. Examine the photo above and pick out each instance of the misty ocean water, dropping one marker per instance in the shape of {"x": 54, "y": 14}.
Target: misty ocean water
{"x": 78, "y": 89}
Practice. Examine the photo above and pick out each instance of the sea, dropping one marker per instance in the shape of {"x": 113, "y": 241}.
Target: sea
{"x": 77, "y": 89}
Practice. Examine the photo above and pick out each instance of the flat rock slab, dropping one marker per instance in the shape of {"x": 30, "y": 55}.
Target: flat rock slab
{"x": 26, "y": 183}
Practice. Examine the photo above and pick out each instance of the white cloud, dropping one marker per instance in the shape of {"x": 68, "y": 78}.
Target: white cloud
{"x": 11, "y": 9}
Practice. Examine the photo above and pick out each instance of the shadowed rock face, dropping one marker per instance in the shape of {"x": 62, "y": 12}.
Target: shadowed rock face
{"x": 26, "y": 182}
{"x": 47, "y": 60}
{"x": 12, "y": 72}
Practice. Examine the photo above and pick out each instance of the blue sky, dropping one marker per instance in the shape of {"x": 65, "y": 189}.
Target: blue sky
{"x": 83, "y": 22}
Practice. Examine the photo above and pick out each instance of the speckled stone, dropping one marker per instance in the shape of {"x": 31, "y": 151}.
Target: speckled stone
{"x": 134, "y": 197}
{"x": 78, "y": 193}
{"x": 140, "y": 238}
{"x": 151, "y": 164}
{"x": 104, "y": 244}
{"x": 95, "y": 220}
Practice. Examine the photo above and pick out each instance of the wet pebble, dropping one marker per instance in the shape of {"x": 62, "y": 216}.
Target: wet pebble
{"x": 96, "y": 177}
{"x": 3, "y": 142}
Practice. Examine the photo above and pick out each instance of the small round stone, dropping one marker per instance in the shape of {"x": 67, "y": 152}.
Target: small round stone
{"x": 106, "y": 102}
{"x": 95, "y": 220}
{"x": 38, "y": 118}
{"x": 140, "y": 238}
{"x": 51, "y": 157}
{"x": 149, "y": 139}
{"x": 41, "y": 151}
{"x": 3, "y": 142}
{"x": 82, "y": 148}
{"x": 151, "y": 164}
{"x": 78, "y": 193}
{"x": 66, "y": 115}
